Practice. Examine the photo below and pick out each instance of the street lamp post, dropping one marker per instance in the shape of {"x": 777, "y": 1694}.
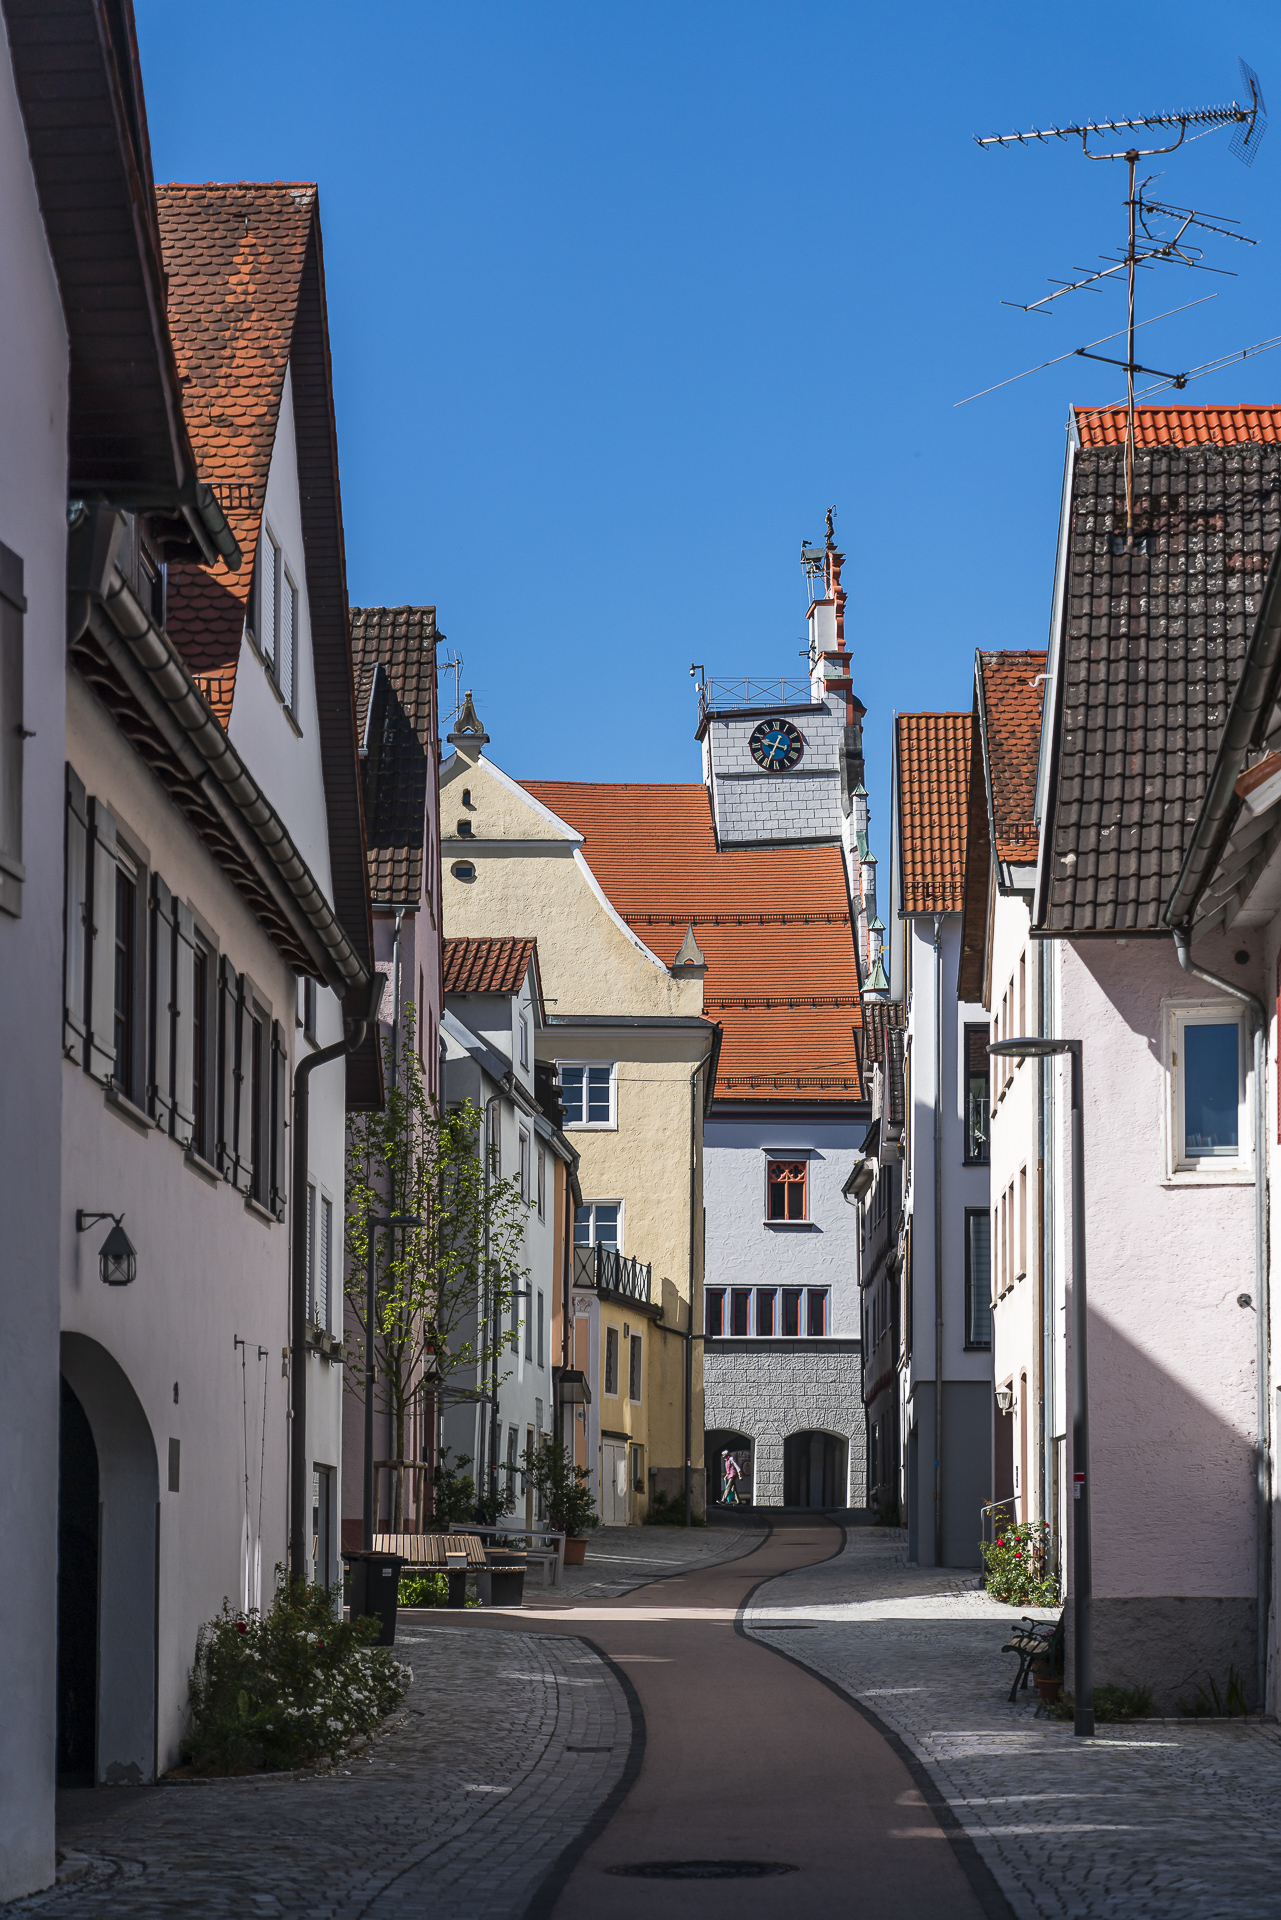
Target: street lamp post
{"x": 1034, "y": 1047}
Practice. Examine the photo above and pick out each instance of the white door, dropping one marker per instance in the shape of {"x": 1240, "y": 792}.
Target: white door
{"x": 614, "y": 1483}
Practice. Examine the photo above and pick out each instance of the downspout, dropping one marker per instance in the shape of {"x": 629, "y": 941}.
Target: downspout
{"x": 689, "y": 1337}
{"x": 938, "y": 1239}
{"x": 1045, "y": 1182}
{"x": 492, "y": 1313}
{"x": 353, "y": 1034}
{"x": 1262, "y": 1451}
{"x": 395, "y": 1008}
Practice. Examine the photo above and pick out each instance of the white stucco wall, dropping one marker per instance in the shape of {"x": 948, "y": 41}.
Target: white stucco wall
{"x": 33, "y": 524}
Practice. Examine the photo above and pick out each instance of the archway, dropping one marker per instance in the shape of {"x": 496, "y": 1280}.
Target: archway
{"x": 717, "y": 1442}
{"x": 814, "y": 1470}
{"x": 128, "y": 1495}
{"x": 77, "y": 1595}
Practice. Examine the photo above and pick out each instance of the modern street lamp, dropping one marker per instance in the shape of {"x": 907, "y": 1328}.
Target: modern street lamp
{"x": 1036, "y": 1048}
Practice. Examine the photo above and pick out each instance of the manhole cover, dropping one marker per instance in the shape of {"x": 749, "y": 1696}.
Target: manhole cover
{"x": 705, "y": 1869}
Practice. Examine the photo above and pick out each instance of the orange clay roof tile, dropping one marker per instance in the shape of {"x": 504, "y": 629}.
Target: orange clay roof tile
{"x": 773, "y": 924}
{"x": 233, "y": 259}
{"x": 932, "y": 764}
{"x": 1178, "y": 426}
{"x": 1012, "y": 706}
{"x": 487, "y": 966}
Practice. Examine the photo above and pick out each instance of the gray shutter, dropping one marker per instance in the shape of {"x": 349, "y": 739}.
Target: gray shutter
{"x": 75, "y": 925}
{"x": 101, "y": 1060}
{"x": 244, "y": 1090}
{"x": 160, "y": 1066}
{"x": 279, "y": 1120}
{"x": 184, "y": 1014}
{"x": 228, "y": 1036}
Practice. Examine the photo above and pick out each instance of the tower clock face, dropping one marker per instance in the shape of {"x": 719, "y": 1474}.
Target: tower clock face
{"x": 776, "y": 745}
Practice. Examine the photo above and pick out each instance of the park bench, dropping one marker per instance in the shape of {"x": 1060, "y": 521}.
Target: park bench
{"x": 431, "y": 1549}
{"x": 1033, "y": 1641}
{"x": 540, "y": 1546}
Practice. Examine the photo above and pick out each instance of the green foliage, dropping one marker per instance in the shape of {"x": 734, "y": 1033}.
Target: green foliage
{"x": 1017, "y": 1565}
{"x": 280, "y": 1689}
{"x": 561, "y": 1487}
{"x": 1110, "y": 1703}
{"x": 444, "y": 1283}
{"x": 423, "y": 1587}
{"x": 1208, "y": 1703}
{"x": 668, "y": 1510}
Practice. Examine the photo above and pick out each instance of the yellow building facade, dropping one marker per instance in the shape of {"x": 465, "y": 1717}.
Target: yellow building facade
{"x": 636, "y": 1058}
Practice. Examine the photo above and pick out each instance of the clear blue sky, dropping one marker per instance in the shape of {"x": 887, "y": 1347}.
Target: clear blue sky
{"x": 623, "y": 296}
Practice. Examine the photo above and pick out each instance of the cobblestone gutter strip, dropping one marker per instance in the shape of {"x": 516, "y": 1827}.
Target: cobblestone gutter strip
{"x": 506, "y": 1747}
{"x": 1155, "y": 1820}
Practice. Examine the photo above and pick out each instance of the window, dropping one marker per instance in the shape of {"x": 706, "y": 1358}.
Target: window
{"x": 523, "y": 1154}
{"x": 634, "y": 1368}
{"x": 765, "y": 1298}
{"x": 529, "y": 1332}
{"x": 740, "y": 1304}
{"x": 311, "y": 1253}
{"x": 200, "y": 1076}
{"x": 277, "y": 616}
{"x": 587, "y": 1092}
{"x": 1210, "y": 1123}
{"x": 255, "y": 1088}
{"x": 324, "y": 1296}
{"x": 542, "y": 1183}
{"x": 463, "y": 870}
{"x": 1022, "y": 1220}
{"x": 512, "y": 1439}
{"x": 598, "y": 1223}
{"x": 977, "y": 1099}
{"x": 611, "y": 1360}
{"x": 715, "y": 1299}
{"x": 816, "y": 1320}
{"x": 13, "y": 732}
{"x": 542, "y": 1326}
{"x": 978, "y": 1277}
{"x": 791, "y": 1313}
{"x": 786, "y": 1187}
{"x": 524, "y": 1039}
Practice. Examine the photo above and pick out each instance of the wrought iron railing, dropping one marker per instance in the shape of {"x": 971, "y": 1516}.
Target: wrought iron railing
{"x": 608, "y": 1269}
{"x": 723, "y": 695}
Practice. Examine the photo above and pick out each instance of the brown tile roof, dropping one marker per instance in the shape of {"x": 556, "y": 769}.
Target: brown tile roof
{"x": 773, "y": 925}
{"x": 489, "y": 966}
{"x": 1179, "y": 426}
{"x": 1152, "y": 647}
{"x": 932, "y": 755}
{"x": 880, "y": 1018}
{"x": 1011, "y": 716}
{"x": 234, "y": 258}
{"x": 394, "y": 650}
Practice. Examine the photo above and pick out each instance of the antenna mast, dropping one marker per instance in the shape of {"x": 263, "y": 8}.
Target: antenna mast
{"x": 1249, "y": 123}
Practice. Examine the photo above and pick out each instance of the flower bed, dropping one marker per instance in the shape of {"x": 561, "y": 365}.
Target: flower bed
{"x": 278, "y": 1690}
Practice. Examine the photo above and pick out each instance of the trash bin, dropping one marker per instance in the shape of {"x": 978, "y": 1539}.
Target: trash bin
{"x": 456, "y": 1572}
{"x": 375, "y": 1590}
{"x": 501, "y": 1582}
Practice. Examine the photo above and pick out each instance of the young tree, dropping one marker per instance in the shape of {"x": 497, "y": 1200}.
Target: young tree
{"x": 445, "y": 1276}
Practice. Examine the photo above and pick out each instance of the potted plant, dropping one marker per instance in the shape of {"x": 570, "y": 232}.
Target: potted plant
{"x": 562, "y": 1488}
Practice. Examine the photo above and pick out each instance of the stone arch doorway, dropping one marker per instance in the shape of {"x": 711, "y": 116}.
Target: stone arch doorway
{"x": 110, "y": 1621}
{"x": 815, "y": 1469}
{"x": 718, "y": 1441}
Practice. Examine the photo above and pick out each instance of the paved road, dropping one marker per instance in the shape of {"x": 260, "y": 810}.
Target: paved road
{"x": 747, "y": 1760}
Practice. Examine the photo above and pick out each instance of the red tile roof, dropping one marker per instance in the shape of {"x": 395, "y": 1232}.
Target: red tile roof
{"x": 773, "y": 925}
{"x": 488, "y": 966}
{"x": 1012, "y": 706}
{"x": 234, "y": 261}
{"x": 932, "y": 761}
{"x": 1178, "y": 426}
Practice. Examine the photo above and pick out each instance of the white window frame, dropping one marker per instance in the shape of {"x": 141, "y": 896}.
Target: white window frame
{"x": 1214, "y": 1170}
{"x": 523, "y": 1023}
{"x": 590, "y": 1206}
{"x": 585, "y": 1125}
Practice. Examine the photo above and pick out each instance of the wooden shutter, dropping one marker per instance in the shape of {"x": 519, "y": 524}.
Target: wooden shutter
{"x": 268, "y": 589}
{"x": 244, "y": 1090}
{"x": 101, "y": 954}
{"x": 160, "y": 1038}
{"x": 228, "y": 1037}
{"x": 287, "y": 640}
{"x": 184, "y": 1016}
{"x": 75, "y": 922}
{"x": 279, "y": 1120}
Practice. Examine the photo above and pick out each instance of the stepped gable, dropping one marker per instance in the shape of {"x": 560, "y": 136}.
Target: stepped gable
{"x": 773, "y": 924}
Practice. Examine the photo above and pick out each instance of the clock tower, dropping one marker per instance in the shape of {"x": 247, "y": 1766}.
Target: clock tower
{"x": 783, "y": 759}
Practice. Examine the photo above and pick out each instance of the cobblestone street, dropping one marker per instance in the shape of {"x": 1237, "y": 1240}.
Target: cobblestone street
{"x": 1174, "y": 1819}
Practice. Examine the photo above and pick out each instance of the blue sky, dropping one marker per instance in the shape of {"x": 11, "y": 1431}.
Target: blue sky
{"x": 622, "y": 297}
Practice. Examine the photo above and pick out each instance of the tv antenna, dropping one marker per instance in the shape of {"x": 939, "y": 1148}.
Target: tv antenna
{"x": 451, "y": 662}
{"x": 1146, "y": 245}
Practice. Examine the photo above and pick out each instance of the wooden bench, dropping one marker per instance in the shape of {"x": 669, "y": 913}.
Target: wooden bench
{"x": 544, "y": 1548}
{"x": 431, "y": 1549}
{"x": 1034, "y": 1640}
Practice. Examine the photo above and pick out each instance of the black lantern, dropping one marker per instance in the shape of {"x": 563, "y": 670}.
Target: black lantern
{"x": 117, "y": 1258}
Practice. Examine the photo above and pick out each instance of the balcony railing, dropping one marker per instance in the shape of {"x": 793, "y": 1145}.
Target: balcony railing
{"x": 612, "y": 1272}
{"x": 726, "y": 695}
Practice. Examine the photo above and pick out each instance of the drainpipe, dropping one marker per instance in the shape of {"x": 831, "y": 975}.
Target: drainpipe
{"x": 689, "y": 1337}
{"x": 491, "y": 1466}
{"x": 395, "y": 1009}
{"x": 1049, "y": 1483}
{"x": 353, "y": 1034}
{"x": 938, "y": 1239}
{"x": 1262, "y": 1451}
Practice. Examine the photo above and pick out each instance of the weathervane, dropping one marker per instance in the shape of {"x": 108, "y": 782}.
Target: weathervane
{"x": 1146, "y": 247}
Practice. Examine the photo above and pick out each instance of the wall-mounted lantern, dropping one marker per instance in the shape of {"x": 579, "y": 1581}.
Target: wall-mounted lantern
{"x": 117, "y": 1258}
{"x": 1005, "y": 1399}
